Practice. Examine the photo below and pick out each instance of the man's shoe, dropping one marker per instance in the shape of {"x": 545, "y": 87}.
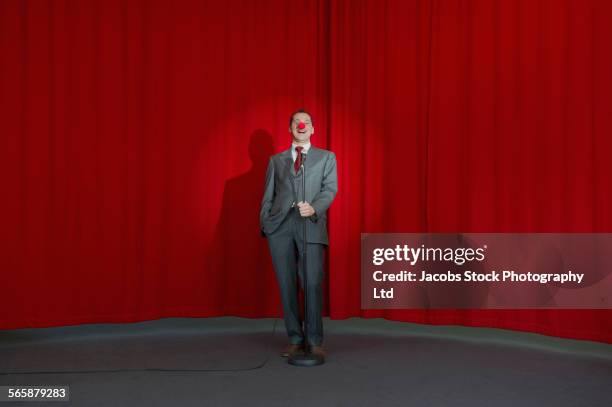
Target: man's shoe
{"x": 291, "y": 349}
{"x": 319, "y": 351}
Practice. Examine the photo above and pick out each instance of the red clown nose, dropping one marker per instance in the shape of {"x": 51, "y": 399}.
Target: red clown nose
{"x": 301, "y": 126}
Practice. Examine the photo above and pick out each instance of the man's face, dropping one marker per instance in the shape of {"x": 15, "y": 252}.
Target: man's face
{"x": 301, "y": 134}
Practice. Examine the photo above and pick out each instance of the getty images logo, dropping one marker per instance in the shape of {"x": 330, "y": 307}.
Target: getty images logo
{"x": 412, "y": 255}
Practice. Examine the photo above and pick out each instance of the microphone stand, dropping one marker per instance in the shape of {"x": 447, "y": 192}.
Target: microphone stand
{"x": 307, "y": 358}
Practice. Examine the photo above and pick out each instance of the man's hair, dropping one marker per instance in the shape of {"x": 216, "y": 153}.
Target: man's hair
{"x": 300, "y": 111}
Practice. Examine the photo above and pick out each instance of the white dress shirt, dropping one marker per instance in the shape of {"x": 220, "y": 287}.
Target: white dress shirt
{"x": 294, "y": 153}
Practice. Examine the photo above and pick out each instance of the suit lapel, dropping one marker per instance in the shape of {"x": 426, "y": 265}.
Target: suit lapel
{"x": 288, "y": 160}
{"x": 314, "y": 155}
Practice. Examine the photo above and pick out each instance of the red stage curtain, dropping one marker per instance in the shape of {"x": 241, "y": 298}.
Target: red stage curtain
{"x": 136, "y": 136}
{"x": 470, "y": 116}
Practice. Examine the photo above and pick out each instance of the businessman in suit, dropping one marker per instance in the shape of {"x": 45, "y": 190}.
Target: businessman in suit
{"x": 283, "y": 211}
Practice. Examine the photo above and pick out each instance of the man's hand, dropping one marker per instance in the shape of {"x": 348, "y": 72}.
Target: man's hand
{"x": 305, "y": 209}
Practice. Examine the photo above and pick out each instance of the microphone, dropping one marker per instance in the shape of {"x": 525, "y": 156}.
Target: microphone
{"x": 303, "y": 158}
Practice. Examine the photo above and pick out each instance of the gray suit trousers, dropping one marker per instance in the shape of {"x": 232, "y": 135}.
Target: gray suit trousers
{"x": 286, "y": 249}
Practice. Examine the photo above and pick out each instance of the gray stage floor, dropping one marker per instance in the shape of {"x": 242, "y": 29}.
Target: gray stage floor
{"x": 371, "y": 362}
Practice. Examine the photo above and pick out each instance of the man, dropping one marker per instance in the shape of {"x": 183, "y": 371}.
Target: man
{"x": 283, "y": 211}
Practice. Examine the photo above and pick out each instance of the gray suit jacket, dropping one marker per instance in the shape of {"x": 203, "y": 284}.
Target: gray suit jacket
{"x": 280, "y": 191}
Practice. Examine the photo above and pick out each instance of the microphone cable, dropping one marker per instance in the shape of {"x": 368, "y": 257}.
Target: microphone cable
{"x": 244, "y": 369}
